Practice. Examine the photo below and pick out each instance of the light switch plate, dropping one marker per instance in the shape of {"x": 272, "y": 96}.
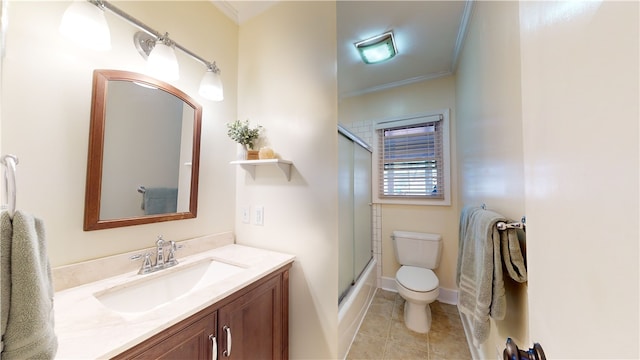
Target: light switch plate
{"x": 246, "y": 215}
{"x": 259, "y": 215}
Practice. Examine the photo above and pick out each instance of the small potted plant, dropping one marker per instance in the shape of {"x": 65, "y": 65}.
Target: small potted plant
{"x": 243, "y": 134}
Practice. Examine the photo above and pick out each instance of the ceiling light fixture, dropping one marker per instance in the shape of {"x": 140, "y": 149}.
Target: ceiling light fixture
{"x": 151, "y": 44}
{"x": 378, "y": 48}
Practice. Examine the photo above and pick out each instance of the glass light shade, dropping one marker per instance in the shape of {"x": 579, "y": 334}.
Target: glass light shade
{"x": 378, "y": 48}
{"x": 211, "y": 86}
{"x": 377, "y": 53}
{"x": 85, "y": 24}
{"x": 162, "y": 63}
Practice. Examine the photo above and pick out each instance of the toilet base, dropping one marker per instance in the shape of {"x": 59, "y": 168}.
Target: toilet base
{"x": 417, "y": 317}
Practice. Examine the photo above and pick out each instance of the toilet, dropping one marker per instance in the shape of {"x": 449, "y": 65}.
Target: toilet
{"x": 418, "y": 254}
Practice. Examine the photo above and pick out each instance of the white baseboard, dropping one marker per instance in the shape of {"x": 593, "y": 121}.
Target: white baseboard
{"x": 447, "y": 296}
{"x": 475, "y": 352}
{"x": 389, "y": 284}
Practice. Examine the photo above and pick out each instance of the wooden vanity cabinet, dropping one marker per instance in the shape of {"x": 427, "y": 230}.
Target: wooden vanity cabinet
{"x": 187, "y": 340}
{"x": 252, "y": 322}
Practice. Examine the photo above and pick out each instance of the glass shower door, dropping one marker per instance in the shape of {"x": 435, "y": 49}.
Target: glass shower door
{"x": 354, "y": 198}
{"x": 361, "y": 209}
{"x": 345, "y": 215}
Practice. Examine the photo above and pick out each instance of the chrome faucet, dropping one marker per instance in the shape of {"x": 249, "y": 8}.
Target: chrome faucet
{"x": 161, "y": 263}
{"x": 159, "y": 253}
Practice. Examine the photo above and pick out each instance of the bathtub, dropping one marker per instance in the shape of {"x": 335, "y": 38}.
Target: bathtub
{"x": 353, "y": 308}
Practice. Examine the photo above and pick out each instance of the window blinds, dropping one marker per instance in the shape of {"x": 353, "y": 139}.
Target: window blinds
{"x": 410, "y": 159}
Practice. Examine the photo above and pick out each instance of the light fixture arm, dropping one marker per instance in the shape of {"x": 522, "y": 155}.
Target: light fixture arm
{"x": 102, "y": 4}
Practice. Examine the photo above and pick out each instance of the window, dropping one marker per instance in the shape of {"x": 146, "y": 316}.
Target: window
{"x": 413, "y": 160}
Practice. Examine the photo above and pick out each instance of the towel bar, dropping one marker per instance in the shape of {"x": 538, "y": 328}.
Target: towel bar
{"x": 142, "y": 189}
{"x": 504, "y": 226}
{"x": 514, "y": 225}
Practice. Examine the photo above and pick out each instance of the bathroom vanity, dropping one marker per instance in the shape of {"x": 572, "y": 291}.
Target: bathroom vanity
{"x": 237, "y": 307}
{"x": 250, "y": 324}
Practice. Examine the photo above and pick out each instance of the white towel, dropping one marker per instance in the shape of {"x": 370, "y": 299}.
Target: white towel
{"x": 27, "y": 290}
{"x": 480, "y": 279}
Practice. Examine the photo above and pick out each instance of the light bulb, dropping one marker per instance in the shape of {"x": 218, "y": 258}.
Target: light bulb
{"x": 162, "y": 62}
{"x": 86, "y": 25}
{"x": 211, "y": 86}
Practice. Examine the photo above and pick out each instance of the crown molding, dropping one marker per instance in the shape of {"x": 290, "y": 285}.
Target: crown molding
{"x": 242, "y": 11}
{"x": 227, "y": 9}
{"x": 395, "y": 84}
{"x": 462, "y": 34}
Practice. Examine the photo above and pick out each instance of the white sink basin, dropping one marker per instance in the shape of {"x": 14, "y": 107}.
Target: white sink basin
{"x": 157, "y": 289}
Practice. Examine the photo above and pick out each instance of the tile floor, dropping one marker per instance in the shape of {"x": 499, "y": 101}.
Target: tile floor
{"x": 383, "y": 335}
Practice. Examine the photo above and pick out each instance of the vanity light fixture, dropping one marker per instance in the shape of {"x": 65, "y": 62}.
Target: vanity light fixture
{"x": 162, "y": 62}
{"x": 211, "y": 84}
{"x": 85, "y": 24}
{"x": 158, "y": 49}
{"x": 378, "y": 48}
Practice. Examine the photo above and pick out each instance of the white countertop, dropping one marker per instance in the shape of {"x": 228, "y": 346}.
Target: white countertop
{"x": 86, "y": 329}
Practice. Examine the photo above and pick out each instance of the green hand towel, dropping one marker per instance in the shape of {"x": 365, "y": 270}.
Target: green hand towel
{"x": 483, "y": 251}
{"x": 27, "y": 298}
{"x": 480, "y": 279}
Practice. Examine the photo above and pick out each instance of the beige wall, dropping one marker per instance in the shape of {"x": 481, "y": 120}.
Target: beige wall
{"x": 3, "y": 19}
{"x": 559, "y": 81}
{"x": 287, "y": 83}
{"x": 359, "y": 113}
{"x": 580, "y": 91}
{"x": 490, "y": 153}
{"x": 45, "y": 113}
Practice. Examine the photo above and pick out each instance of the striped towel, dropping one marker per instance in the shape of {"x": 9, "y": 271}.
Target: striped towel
{"x": 27, "y": 290}
{"x": 479, "y": 275}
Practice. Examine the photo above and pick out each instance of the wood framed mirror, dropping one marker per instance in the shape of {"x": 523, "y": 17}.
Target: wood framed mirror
{"x": 144, "y": 152}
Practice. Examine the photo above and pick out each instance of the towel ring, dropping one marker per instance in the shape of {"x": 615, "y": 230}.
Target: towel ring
{"x": 10, "y": 161}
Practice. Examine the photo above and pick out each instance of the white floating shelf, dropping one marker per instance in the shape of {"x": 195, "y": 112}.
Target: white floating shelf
{"x": 250, "y": 166}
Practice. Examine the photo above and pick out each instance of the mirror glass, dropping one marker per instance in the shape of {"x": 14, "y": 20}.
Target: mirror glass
{"x": 144, "y": 150}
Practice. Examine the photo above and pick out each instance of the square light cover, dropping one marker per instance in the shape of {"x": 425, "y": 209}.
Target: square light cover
{"x": 378, "y": 48}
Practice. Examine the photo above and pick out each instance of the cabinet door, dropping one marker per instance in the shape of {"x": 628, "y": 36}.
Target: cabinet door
{"x": 189, "y": 341}
{"x": 251, "y": 326}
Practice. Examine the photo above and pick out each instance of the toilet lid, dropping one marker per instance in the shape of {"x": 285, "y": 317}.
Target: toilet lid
{"x": 417, "y": 279}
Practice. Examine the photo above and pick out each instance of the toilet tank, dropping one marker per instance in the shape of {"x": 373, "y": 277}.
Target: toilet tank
{"x": 417, "y": 249}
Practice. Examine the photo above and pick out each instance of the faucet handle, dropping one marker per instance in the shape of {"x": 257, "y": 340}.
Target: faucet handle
{"x": 146, "y": 264}
{"x": 160, "y": 241}
{"x": 171, "y": 258}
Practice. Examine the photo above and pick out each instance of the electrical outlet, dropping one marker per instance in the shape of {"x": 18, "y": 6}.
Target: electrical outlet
{"x": 246, "y": 215}
{"x": 259, "y": 218}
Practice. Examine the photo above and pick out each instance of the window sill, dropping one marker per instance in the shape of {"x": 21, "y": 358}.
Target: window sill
{"x": 419, "y": 202}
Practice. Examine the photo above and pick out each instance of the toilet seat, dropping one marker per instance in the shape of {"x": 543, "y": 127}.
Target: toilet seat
{"x": 417, "y": 279}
